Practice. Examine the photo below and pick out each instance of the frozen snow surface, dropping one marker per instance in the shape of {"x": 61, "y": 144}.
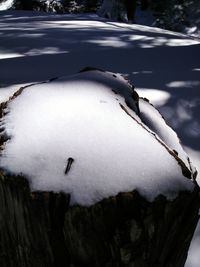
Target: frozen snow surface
{"x": 82, "y": 118}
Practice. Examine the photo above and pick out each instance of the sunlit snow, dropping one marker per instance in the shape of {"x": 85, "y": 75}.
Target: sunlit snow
{"x": 6, "y": 91}
{"x": 6, "y": 4}
{"x": 153, "y": 119}
{"x": 156, "y": 97}
{"x": 81, "y": 118}
{"x": 6, "y": 54}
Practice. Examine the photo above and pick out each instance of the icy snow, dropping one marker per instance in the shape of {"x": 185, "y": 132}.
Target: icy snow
{"x": 81, "y": 118}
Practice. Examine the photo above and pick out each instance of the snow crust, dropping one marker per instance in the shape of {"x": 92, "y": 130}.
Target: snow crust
{"x": 80, "y": 117}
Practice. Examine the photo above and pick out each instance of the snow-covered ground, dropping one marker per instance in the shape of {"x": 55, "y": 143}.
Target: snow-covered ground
{"x": 164, "y": 66}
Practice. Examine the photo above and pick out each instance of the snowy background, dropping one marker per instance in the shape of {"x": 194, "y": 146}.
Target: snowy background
{"x": 164, "y": 66}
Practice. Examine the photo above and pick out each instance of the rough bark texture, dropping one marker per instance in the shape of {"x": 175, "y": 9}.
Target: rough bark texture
{"x": 39, "y": 229}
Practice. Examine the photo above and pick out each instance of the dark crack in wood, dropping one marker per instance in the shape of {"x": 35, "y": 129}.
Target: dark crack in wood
{"x": 175, "y": 152}
{"x": 114, "y": 92}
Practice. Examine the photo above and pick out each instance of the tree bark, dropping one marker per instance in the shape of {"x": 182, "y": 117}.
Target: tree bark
{"x": 121, "y": 10}
{"x": 144, "y": 4}
{"x": 130, "y": 9}
{"x": 39, "y": 229}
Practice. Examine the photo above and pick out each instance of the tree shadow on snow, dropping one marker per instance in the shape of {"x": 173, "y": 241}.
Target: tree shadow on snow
{"x": 38, "y": 47}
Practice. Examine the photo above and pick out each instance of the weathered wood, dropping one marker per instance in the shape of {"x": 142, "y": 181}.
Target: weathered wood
{"x": 40, "y": 229}
{"x": 30, "y": 225}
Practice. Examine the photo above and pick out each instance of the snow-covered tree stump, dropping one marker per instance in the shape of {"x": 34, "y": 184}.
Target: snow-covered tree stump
{"x": 41, "y": 229}
{"x": 91, "y": 175}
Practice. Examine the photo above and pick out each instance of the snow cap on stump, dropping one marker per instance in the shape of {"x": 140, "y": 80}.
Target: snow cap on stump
{"x": 91, "y": 136}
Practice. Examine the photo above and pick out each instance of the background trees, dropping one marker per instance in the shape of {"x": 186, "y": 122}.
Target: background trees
{"x": 59, "y": 6}
{"x": 173, "y": 15}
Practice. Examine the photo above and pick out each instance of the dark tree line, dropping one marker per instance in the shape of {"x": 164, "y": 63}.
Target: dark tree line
{"x": 169, "y": 14}
{"x": 172, "y": 14}
{"x": 59, "y": 6}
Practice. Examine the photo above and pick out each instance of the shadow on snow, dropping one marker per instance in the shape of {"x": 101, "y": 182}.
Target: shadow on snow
{"x": 37, "y": 47}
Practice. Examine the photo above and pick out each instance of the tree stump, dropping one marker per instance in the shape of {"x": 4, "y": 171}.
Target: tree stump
{"x": 41, "y": 229}
{"x": 45, "y": 229}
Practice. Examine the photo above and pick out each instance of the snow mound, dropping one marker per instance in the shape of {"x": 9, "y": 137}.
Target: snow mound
{"x": 86, "y": 136}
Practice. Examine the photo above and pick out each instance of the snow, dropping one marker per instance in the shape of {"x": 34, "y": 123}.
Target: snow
{"x": 153, "y": 119}
{"x": 165, "y": 74}
{"x": 6, "y": 93}
{"x": 80, "y": 118}
{"x": 158, "y": 97}
{"x": 6, "y": 5}
{"x": 193, "y": 255}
